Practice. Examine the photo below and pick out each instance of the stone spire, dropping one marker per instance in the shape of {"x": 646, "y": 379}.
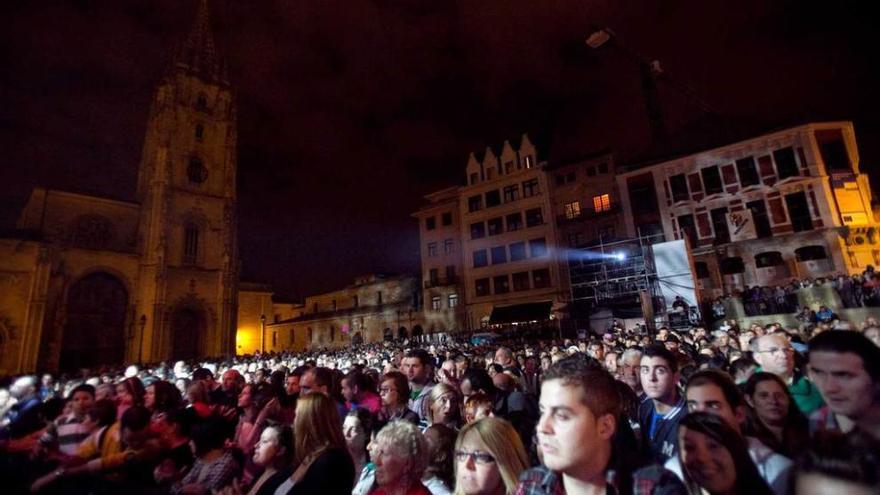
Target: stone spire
{"x": 197, "y": 54}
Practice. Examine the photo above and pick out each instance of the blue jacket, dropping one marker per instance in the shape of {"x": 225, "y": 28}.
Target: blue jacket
{"x": 663, "y": 444}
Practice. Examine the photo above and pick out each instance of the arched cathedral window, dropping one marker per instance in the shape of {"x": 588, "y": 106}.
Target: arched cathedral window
{"x": 200, "y": 132}
{"x": 202, "y": 102}
{"x": 190, "y": 244}
{"x": 195, "y": 171}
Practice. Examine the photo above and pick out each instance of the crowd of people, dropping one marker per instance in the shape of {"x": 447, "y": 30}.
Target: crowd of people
{"x": 758, "y": 410}
{"x": 854, "y": 291}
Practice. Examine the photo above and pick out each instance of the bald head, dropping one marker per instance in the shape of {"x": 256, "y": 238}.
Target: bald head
{"x": 503, "y": 381}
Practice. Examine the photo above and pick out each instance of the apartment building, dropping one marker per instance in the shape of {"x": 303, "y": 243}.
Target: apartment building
{"x": 790, "y": 203}
{"x": 509, "y": 270}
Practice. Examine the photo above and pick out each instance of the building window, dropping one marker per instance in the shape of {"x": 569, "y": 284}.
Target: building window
{"x": 453, "y": 301}
{"x": 356, "y": 301}
{"x": 534, "y": 217}
{"x": 603, "y": 168}
{"x": 541, "y": 278}
{"x": 748, "y": 173}
{"x": 511, "y": 193}
{"x": 572, "y": 210}
{"x": 602, "y": 203}
{"x": 432, "y": 249}
{"x": 481, "y": 286}
{"x": 768, "y": 259}
{"x": 480, "y": 258}
{"x": 731, "y": 266}
{"x": 202, "y": 102}
{"x": 450, "y": 274}
{"x": 478, "y": 230}
{"x": 475, "y": 177}
{"x": 527, "y": 160}
{"x": 493, "y": 198}
{"x": 430, "y": 223}
{"x": 490, "y": 173}
{"x": 447, "y": 246}
{"x": 514, "y": 221}
{"x": 833, "y": 150}
{"x": 760, "y": 217}
{"x": 435, "y": 303}
{"x": 719, "y": 223}
{"x": 688, "y": 229}
{"x": 517, "y": 251}
{"x": 446, "y": 219}
{"x": 432, "y": 277}
{"x": 475, "y": 203}
{"x": 196, "y": 171}
{"x": 786, "y": 165}
{"x": 496, "y": 226}
{"x": 275, "y": 339}
{"x": 560, "y": 180}
{"x": 200, "y": 132}
{"x": 333, "y": 305}
{"x": 712, "y": 180}
{"x": 538, "y": 247}
{"x": 798, "y": 211}
{"x": 521, "y": 281}
{"x": 530, "y": 188}
{"x": 379, "y": 298}
{"x": 508, "y": 167}
{"x": 591, "y": 172}
{"x": 678, "y": 185}
{"x": 190, "y": 244}
{"x": 499, "y": 255}
{"x": 606, "y": 232}
{"x": 502, "y": 285}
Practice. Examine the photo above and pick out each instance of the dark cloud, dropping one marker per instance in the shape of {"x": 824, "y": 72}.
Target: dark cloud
{"x": 350, "y": 111}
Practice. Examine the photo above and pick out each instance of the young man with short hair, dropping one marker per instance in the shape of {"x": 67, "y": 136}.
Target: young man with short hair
{"x": 663, "y": 406}
{"x": 845, "y": 366}
{"x": 417, "y": 366}
{"x": 580, "y": 406}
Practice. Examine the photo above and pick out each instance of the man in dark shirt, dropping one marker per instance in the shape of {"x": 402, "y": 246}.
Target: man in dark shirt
{"x": 663, "y": 406}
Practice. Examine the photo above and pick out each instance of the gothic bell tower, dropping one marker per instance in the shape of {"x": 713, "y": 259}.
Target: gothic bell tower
{"x": 188, "y": 277}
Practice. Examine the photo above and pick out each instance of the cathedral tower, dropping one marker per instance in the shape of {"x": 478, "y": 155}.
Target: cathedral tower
{"x": 188, "y": 276}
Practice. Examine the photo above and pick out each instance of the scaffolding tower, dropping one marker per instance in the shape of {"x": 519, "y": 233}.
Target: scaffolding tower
{"x": 618, "y": 273}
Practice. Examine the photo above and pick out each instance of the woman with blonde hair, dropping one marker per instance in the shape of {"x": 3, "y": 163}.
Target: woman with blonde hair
{"x": 444, "y": 406}
{"x": 321, "y": 457}
{"x": 489, "y": 457}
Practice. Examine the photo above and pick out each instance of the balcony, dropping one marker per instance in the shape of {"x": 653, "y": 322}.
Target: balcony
{"x": 440, "y": 282}
{"x": 588, "y": 214}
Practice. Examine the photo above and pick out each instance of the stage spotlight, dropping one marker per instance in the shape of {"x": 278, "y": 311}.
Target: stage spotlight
{"x": 619, "y": 256}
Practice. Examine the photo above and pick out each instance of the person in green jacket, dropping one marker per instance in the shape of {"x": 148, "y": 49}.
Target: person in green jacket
{"x": 774, "y": 354}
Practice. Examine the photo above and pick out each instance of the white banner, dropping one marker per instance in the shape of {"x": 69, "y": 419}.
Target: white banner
{"x": 741, "y": 225}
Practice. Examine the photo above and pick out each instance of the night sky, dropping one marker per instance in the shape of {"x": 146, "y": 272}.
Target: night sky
{"x": 350, "y": 111}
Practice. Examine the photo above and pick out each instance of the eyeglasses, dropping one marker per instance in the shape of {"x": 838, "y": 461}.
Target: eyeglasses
{"x": 386, "y": 390}
{"x": 776, "y": 350}
{"x": 479, "y": 457}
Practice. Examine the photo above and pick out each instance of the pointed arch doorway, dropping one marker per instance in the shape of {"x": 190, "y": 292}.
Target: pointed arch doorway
{"x": 94, "y": 328}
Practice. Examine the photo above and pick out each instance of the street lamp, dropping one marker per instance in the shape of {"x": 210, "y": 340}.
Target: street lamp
{"x": 262, "y": 334}
{"x": 651, "y": 72}
{"x": 143, "y": 324}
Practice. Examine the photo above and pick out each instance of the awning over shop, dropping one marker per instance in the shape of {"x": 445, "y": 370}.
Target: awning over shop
{"x": 520, "y": 313}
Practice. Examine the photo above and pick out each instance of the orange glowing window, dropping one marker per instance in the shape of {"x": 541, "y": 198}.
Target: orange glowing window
{"x": 602, "y": 203}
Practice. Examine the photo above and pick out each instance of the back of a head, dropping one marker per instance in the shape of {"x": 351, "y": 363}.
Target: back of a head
{"x": 843, "y": 458}
{"x": 316, "y": 424}
{"x": 135, "y": 418}
{"x": 103, "y": 412}
{"x": 480, "y": 380}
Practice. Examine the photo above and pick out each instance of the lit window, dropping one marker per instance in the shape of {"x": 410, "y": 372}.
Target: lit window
{"x": 432, "y": 249}
{"x": 573, "y": 209}
{"x": 447, "y": 246}
{"x": 435, "y": 303}
{"x": 453, "y": 300}
{"x": 602, "y": 203}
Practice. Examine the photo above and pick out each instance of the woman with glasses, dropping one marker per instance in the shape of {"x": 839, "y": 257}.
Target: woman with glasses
{"x": 394, "y": 392}
{"x": 400, "y": 454}
{"x": 489, "y": 457}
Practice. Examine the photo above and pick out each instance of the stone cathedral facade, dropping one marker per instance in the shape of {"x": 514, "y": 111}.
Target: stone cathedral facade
{"x": 87, "y": 280}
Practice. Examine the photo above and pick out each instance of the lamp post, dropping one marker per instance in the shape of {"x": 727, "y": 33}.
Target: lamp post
{"x": 650, "y": 72}
{"x": 143, "y": 324}
{"x": 262, "y": 334}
